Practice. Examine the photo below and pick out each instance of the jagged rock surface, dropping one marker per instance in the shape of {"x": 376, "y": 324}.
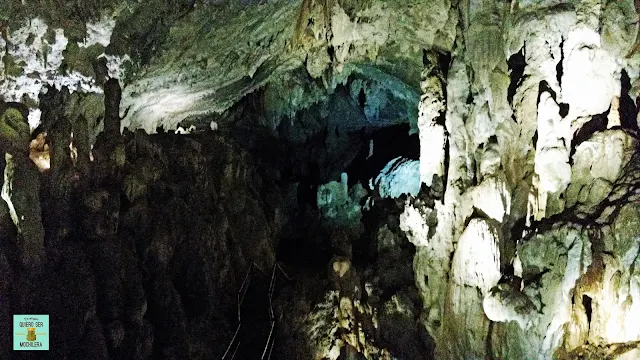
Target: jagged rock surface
{"x": 137, "y": 254}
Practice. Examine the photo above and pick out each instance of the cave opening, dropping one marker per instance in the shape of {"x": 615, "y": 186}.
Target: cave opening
{"x": 318, "y": 144}
{"x": 378, "y": 149}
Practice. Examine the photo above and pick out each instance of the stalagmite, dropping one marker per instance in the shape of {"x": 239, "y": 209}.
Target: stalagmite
{"x": 432, "y": 134}
{"x": 613, "y": 119}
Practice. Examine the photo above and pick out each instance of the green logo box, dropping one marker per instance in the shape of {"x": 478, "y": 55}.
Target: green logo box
{"x": 30, "y": 332}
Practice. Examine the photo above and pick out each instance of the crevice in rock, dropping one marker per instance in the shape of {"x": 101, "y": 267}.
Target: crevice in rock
{"x": 475, "y": 214}
{"x": 445, "y": 177}
{"x": 475, "y": 180}
{"x": 444, "y": 63}
{"x": 559, "y": 70}
{"x": 517, "y": 65}
{"x": 535, "y": 278}
{"x": 331, "y": 52}
{"x": 564, "y": 109}
{"x": 544, "y": 87}
{"x": 597, "y": 124}
{"x": 628, "y": 110}
{"x": 586, "y": 302}
{"x": 362, "y": 99}
{"x": 508, "y": 276}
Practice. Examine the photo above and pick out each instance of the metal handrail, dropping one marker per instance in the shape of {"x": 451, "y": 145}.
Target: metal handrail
{"x": 264, "y": 352}
{"x": 232, "y": 341}
{"x": 271, "y": 350}
{"x": 240, "y": 299}
{"x": 259, "y": 268}
{"x": 236, "y": 350}
{"x": 283, "y": 272}
{"x": 271, "y": 340}
{"x": 243, "y": 289}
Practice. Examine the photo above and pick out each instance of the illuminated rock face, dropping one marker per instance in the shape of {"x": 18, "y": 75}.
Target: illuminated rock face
{"x": 34, "y": 58}
{"x": 544, "y": 172}
{"x": 400, "y": 176}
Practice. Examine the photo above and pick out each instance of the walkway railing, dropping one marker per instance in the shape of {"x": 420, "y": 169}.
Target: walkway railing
{"x": 234, "y": 344}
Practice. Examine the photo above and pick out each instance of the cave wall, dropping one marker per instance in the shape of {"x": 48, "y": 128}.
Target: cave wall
{"x": 135, "y": 243}
{"x": 522, "y": 261}
{"x": 181, "y": 61}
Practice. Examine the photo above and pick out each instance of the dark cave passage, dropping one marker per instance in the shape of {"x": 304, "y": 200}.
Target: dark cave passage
{"x": 586, "y": 302}
{"x": 309, "y": 246}
{"x": 628, "y": 107}
{"x": 516, "y": 64}
{"x": 304, "y": 252}
{"x": 380, "y": 147}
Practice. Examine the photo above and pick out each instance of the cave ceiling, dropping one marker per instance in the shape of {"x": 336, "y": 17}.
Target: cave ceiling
{"x": 184, "y": 63}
